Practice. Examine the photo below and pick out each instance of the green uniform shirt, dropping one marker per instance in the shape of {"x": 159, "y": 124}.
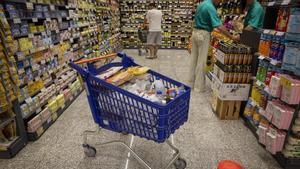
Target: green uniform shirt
{"x": 255, "y": 16}
{"x": 206, "y": 16}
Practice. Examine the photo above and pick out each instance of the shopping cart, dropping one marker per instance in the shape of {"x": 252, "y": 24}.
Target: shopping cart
{"x": 118, "y": 110}
{"x": 142, "y": 35}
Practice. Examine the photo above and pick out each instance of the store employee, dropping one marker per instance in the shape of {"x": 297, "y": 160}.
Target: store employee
{"x": 255, "y": 16}
{"x": 206, "y": 19}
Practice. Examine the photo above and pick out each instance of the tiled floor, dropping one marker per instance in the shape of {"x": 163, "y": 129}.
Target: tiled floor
{"x": 204, "y": 140}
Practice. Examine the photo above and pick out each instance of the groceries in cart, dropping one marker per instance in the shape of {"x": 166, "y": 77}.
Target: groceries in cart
{"x": 137, "y": 81}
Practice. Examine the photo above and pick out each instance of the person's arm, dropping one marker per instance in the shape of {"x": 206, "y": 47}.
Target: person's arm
{"x": 249, "y": 28}
{"x": 223, "y": 30}
{"x": 146, "y": 19}
{"x": 216, "y": 23}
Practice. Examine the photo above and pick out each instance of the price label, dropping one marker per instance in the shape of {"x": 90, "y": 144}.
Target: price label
{"x": 30, "y": 35}
{"x": 52, "y": 7}
{"x": 34, "y": 20}
{"x": 71, "y": 40}
{"x": 48, "y": 19}
{"x": 258, "y": 83}
{"x": 29, "y": 5}
{"x": 17, "y": 20}
{"x": 274, "y": 62}
{"x": 261, "y": 57}
{"x": 59, "y": 19}
{"x": 286, "y": 2}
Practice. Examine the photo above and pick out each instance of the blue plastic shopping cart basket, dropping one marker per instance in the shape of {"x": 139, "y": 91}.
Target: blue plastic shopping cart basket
{"x": 118, "y": 110}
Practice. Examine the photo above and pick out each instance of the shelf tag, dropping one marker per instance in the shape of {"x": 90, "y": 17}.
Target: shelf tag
{"x": 48, "y": 19}
{"x": 30, "y": 35}
{"x": 34, "y": 20}
{"x": 17, "y": 20}
{"x": 274, "y": 62}
{"x": 258, "y": 83}
{"x": 29, "y": 5}
{"x": 285, "y": 2}
{"x": 59, "y": 19}
{"x": 261, "y": 57}
{"x": 52, "y": 7}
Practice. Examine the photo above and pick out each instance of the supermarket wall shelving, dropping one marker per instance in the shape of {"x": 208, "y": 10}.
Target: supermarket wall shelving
{"x": 46, "y": 35}
{"x": 177, "y": 22}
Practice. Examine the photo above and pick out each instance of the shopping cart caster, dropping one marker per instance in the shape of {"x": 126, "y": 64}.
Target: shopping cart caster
{"x": 89, "y": 151}
{"x": 180, "y": 163}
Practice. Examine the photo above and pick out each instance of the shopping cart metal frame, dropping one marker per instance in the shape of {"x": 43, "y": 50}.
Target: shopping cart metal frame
{"x": 90, "y": 151}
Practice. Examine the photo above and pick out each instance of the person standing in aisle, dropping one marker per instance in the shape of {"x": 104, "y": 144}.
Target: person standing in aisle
{"x": 255, "y": 16}
{"x": 154, "y": 38}
{"x": 206, "y": 19}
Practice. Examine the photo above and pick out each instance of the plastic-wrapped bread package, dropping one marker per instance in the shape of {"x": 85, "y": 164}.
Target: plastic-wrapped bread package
{"x": 45, "y": 114}
{"x": 270, "y": 110}
{"x": 271, "y": 143}
{"x": 275, "y": 86}
{"x": 262, "y": 132}
{"x": 290, "y": 90}
{"x": 280, "y": 140}
{"x": 34, "y": 124}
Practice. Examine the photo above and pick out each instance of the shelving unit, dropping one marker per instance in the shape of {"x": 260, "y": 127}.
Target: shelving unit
{"x": 46, "y": 35}
{"x": 273, "y": 61}
{"x": 177, "y": 22}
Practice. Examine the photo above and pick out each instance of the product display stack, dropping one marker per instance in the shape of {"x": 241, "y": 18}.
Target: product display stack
{"x": 272, "y": 111}
{"x": 176, "y": 25}
{"x": 230, "y": 72}
{"x": 39, "y": 38}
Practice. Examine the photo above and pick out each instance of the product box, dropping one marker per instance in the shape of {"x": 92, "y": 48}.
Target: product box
{"x": 230, "y": 91}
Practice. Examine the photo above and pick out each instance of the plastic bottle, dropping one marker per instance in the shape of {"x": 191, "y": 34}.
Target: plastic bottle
{"x": 158, "y": 85}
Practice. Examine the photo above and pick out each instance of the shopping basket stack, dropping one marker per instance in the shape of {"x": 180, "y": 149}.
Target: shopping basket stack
{"x": 118, "y": 110}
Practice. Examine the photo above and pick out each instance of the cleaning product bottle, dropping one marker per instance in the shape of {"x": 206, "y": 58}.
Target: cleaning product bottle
{"x": 158, "y": 85}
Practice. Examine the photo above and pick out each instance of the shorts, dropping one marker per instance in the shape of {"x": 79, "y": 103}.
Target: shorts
{"x": 154, "y": 38}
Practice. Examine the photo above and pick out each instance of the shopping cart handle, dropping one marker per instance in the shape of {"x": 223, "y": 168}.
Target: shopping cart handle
{"x": 96, "y": 59}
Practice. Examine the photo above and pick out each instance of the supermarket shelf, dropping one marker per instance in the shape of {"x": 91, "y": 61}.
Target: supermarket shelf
{"x": 6, "y": 122}
{"x": 272, "y": 61}
{"x": 250, "y": 126}
{"x": 14, "y": 147}
{"x": 283, "y": 3}
{"x": 286, "y": 163}
{"x": 36, "y": 135}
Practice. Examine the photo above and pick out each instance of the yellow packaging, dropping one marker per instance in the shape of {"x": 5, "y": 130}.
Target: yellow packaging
{"x": 53, "y": 106}
{"x": 32, "y": 28}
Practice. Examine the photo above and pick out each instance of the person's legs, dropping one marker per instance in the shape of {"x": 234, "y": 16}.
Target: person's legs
{"x": 150, "y": 44}
{"x": 200, "y": 69}
{"x": 194, "y": 59}
{"x": 158, "y": 41}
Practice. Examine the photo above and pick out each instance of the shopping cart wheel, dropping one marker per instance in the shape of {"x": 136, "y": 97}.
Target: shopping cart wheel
{"x": 180, "y": 163}
{"x": 89, "y": 151}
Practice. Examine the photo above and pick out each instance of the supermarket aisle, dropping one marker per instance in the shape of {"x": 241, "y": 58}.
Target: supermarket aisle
{"x": 204, "y": 140}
